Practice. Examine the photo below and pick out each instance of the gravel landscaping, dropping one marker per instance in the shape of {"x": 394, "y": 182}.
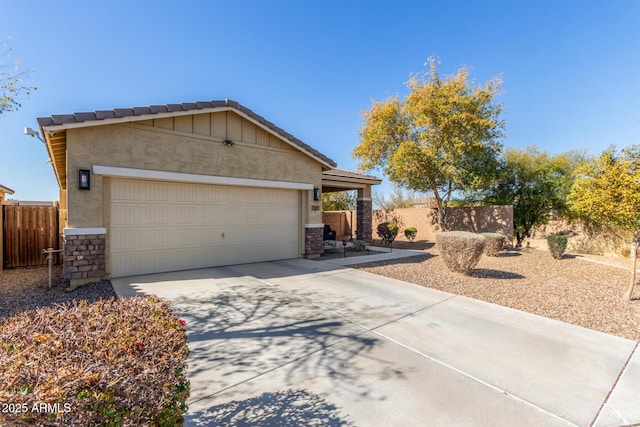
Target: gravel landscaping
{"x": 572, "y": 290}
{"x": 27, "y": 288}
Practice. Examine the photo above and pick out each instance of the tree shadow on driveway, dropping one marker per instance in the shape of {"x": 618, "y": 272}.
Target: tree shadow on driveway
{"x": 240, "y": 332}
{"x": 283, "y": 408}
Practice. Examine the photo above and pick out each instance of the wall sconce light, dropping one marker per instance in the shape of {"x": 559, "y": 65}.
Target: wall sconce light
{"x": 84, "y": 179}
{"x": 316, "y": 194}
{"x": 228, "y": 142}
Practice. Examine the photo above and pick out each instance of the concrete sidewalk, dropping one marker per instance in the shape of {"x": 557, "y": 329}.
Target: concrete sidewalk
{"x": 387, "y": 254}
{"x": 302, "y": 342}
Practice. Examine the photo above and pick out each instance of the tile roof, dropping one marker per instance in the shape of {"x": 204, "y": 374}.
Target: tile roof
{"x": 62, "y": 119}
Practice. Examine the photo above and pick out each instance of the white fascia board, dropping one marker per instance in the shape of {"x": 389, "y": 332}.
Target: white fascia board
{"x": 342, "y": 184}
{"x": 338, "y": 178}
{"x": 84, "y": 231}
{"x": 197, "y": 179}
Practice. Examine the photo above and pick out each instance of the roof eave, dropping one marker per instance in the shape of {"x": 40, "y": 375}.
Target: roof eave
{"x": 57, "y": 162}
{"x": 6, "y": 190}
{"x": 47, "y": 127}
{"x": 358, "y": 178}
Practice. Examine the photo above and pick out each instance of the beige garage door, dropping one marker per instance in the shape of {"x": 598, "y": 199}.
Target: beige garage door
{"x": 166, "y": 226}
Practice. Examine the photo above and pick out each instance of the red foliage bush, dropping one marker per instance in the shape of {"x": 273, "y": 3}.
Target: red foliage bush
{"x": 116, "y": 362}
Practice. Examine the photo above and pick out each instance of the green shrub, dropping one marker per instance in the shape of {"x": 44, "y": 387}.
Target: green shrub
{"x": 410, "y": 233}
{"x": 495, "y": 242}
{"x": 109, "y": 363}
{"x": 359, "y": 245}
{"x": 387, "y": 231}
{"x": 460, "y": 250}
{"x": 557, "y": 244}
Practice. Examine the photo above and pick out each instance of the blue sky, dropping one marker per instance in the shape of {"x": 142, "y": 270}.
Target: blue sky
{"x": 570, "y": 68}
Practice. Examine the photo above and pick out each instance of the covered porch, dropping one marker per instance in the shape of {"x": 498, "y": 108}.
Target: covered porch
{"x": 338, "y": 180}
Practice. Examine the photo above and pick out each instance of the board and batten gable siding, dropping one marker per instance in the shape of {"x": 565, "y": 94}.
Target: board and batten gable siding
{"x": 223, "y": 125}
{"x": 185, "y": 144}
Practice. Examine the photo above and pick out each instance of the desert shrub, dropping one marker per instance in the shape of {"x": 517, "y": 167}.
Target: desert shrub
{"x": 624, "y": 251}
{"x": 587, "y": 246}
{"x": 557, "y": 244}
{"x": 116, "y": 362}
{"x": 410, "y": 233}
{"x": 495, "y": 241}
{"x": 387, "y": 231}
{"x": 460, "y": 250}
{"x": 359, "y": 245}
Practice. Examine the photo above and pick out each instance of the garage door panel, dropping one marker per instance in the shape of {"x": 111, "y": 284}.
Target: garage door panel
{"x": 136, "y": 191}
{"x": 137, "y": 214}
{"x": 198, "y": 226}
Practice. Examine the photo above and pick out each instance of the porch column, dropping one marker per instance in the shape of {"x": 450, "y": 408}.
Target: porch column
{"x": 364, "y": 206}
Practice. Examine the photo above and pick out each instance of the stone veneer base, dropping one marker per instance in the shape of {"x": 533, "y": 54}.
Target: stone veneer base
{"x": 313, "y": 241}
{"x": 84, "y": 257}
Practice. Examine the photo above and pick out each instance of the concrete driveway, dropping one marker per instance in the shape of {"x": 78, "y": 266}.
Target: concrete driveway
{"x": 302, "y": 342}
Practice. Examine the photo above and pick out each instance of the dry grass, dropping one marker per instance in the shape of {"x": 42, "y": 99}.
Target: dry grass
{"x": 572, "y": 290}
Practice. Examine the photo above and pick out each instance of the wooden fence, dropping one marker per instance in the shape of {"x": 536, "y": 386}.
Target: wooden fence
{"x": 28, "y": 230}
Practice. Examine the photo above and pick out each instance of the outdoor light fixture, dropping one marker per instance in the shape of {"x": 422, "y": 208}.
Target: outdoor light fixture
{"x": 84, "y": 179}
{"x": 316, "y": 194}
{"x": 228, "y": 142}
{"x": 33, "y": 133}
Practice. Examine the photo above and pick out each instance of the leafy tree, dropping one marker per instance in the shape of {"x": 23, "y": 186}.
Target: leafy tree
{"x": 339, "y": 201}
{"x": 441, "y": 138}
{"x": 535, "y": 183}
{"x": 12, "y": 84}
{"x": 607, "y": 192}
{"x": 397, "y": 199}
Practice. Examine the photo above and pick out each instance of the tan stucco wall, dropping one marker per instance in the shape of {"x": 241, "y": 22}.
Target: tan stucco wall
{"x": 477, "y": 219}
{"x": 159, "y": 146}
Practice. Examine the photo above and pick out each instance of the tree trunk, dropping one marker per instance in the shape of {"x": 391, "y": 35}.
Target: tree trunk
{"x": 444, "y": 218}
{"x": 520, "y": 237}
{"x": 632, "y": 281}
